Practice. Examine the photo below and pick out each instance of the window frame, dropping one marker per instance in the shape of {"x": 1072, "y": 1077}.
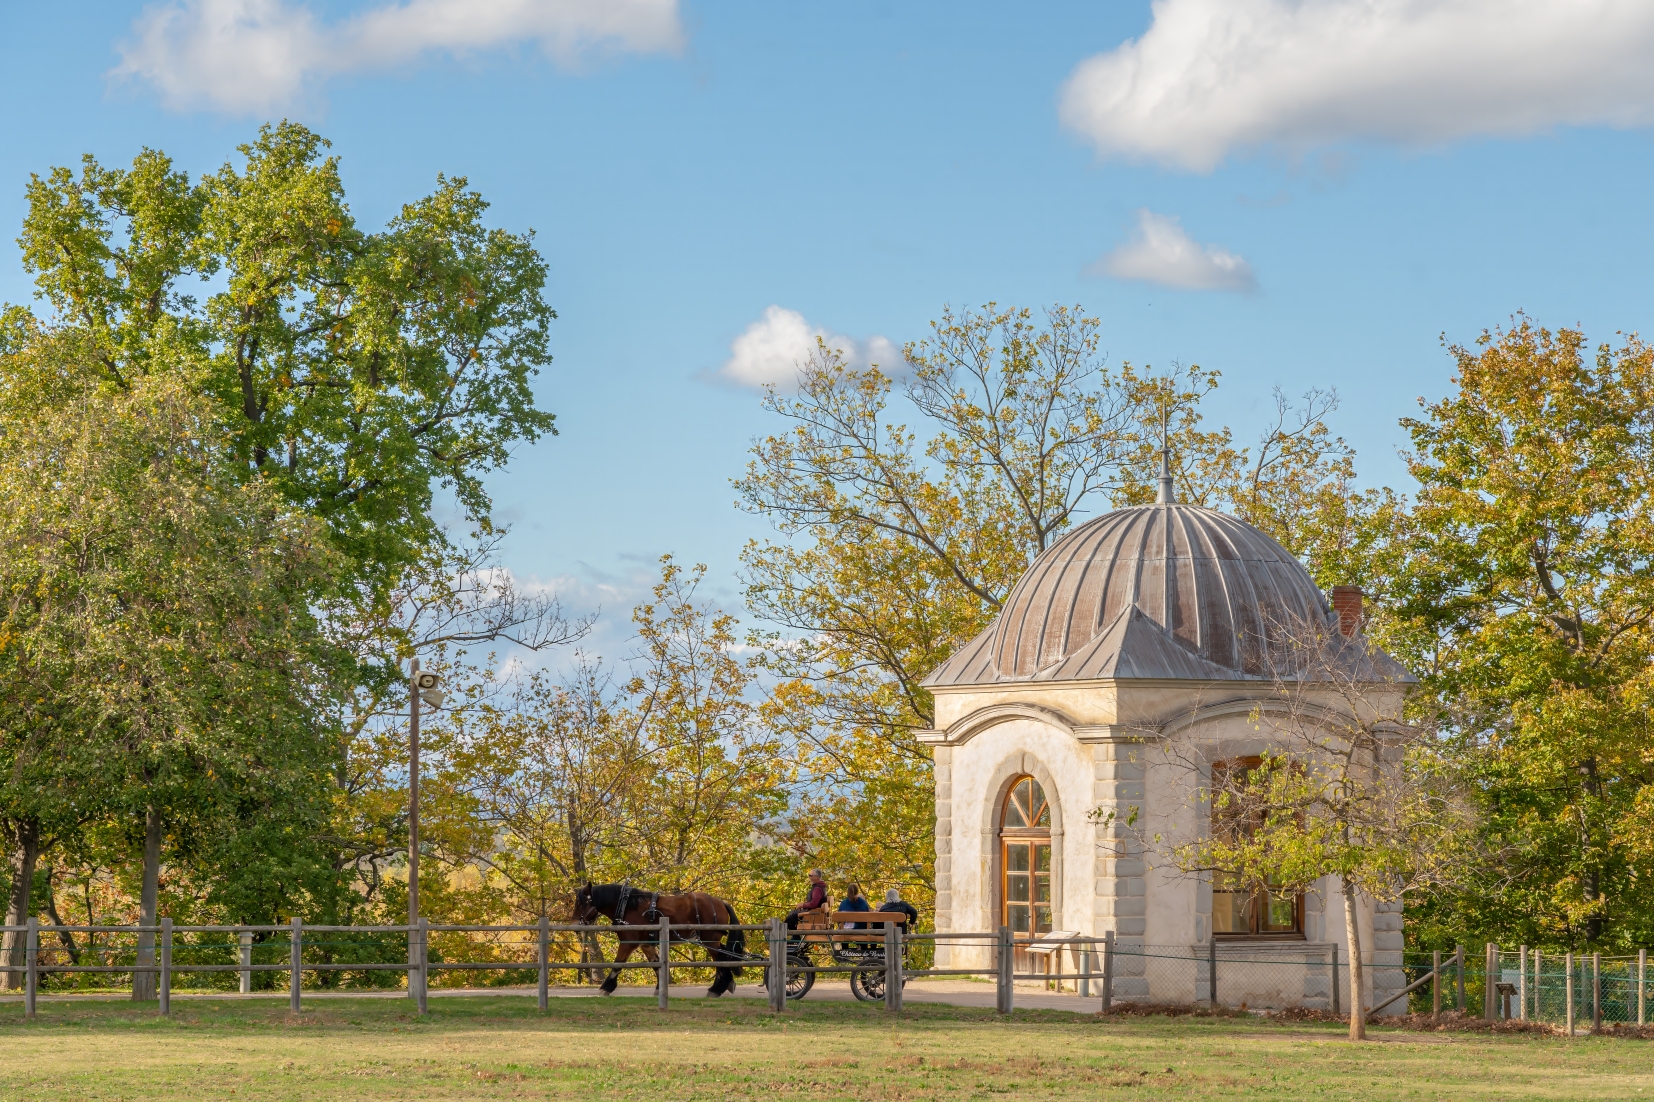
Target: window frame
{"x": 1258, "y": 898}
{"x": 1033, "y": 836}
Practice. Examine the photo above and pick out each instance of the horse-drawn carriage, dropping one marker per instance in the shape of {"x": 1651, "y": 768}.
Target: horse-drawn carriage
{"x": 818, "y": 931}
{"x": 712, "y": 923}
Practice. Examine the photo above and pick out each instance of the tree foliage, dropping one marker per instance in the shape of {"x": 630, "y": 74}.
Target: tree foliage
{"x": 355, "y": 369}
{"x": 899, "y": 544}
{"x": 1520, "y": 586}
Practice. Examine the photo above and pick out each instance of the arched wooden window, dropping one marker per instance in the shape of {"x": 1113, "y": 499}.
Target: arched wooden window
{"x": 1025, "y": 859}
{"x": 1241, "y": 910}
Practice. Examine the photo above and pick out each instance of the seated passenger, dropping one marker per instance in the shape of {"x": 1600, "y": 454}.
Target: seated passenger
{"x": 893, "y": 902}
{"x": 817, "y": 897}
{"x": 854, "y": 901}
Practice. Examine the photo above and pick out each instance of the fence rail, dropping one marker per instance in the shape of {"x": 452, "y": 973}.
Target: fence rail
{"x": 1521, "y": 984}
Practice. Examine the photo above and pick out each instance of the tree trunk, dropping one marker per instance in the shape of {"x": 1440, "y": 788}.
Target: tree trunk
{"x": 144, "y": 985}
{"x": 1358, "y": 986}
{"x": 25, "y": 854}
{"x": 49, "y": 905}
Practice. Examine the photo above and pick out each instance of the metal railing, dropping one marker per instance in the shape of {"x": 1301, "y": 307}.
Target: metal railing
{"x": 1524, "y": 984}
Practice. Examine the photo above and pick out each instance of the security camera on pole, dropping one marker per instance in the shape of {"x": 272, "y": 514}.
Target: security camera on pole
{"x": 423, "y": 687}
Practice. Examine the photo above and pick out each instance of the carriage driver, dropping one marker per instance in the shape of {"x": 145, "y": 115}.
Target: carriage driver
{"x": 816, "y": 898}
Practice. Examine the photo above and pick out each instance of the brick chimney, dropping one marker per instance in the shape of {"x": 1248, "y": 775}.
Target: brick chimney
{"x": 1346, "y": 600}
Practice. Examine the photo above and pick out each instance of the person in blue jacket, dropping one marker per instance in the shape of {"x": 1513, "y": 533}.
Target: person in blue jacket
{"x": 854, "y": 901}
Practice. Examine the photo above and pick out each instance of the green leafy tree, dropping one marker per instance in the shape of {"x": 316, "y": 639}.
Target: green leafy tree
{"x": 1348, "y": 789}
{"x": 1520, "y": 586}
{"x": 355, "y": 369}
{"x": 162, "y": 604}
{"x": 900, "y": 544}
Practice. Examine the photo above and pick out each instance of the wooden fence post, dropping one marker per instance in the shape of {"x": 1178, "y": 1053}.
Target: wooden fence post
{"x": 1212, "y": 972}
{"x": 1522, "y": 984}
{"x": 1108, "y": 970}
{"x": 424, "y": 961}
{"x": 1538, "y": 984}
{"x": 1085, "y": 968}
{"x": 295, "y": 964}
{"x": 1005, "y": 995}
{"x": 1336, "y": 1008}
{"x": 1568, "y": 988}
{"x": 166, "y": 966}
{"x": 31, "y": 965}
{"x": 776, "y": 974}
{"x": 1435, "y": 983}
{"x": 1596, "y": 992}
{"x": 545, "y": 962}
{"x": 663, "y": 978}
{"x": 1490, "y": 965}
{"x": 246, "y": 940}
{"x": 893, "y": 966}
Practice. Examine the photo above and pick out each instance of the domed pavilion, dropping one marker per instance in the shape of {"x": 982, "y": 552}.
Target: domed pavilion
{"x": 1139, "y": 653}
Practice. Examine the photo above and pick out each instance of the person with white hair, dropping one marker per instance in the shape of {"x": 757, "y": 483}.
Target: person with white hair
{"x": 893, "y": 901}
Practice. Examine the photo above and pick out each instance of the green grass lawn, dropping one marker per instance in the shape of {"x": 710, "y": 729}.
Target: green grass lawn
{"x": 491, "y": 1047}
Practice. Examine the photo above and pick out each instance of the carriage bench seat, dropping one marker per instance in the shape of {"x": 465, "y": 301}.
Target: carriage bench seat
{"x": 817, "y": 925}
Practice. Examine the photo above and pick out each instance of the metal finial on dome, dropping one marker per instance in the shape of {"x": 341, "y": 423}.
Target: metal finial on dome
{"x": 1166, "y": 496}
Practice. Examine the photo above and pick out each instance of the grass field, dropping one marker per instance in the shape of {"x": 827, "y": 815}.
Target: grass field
{"x": 487, "y": 1048}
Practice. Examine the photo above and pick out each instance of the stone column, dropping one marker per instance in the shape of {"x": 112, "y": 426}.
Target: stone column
{"x": 942, "y": 758}
{"x": 1121, "y": 905}
{"x": 1387, "y": 974}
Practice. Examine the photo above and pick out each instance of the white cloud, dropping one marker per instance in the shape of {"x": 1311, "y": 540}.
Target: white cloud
{"x": 1162, "y": 252}
{"x": 769, "y": 351}
{"x": 259, "y": 56}
{"x": 1213, "y": 76}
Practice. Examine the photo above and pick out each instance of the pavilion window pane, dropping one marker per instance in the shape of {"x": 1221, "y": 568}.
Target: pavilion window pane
{"x": 1042, "y": 920}
{"x": 1016, "y": 857}
{"x": 1018, "y": 918}
{"x": 1231, "y": 912}
{"x": 1016, "y": 888}
{"x": 1042, "y": 889}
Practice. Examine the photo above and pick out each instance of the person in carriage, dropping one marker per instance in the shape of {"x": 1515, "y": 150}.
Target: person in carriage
{"x": 893, "y": 902}
{"x": 814, "y": 900}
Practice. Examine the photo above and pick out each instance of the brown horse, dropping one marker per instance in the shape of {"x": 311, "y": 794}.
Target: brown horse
{"x": 625, "y": 906}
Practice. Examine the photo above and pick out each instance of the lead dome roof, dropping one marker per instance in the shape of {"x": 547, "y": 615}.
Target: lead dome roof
{"x": 1154, "y": 591}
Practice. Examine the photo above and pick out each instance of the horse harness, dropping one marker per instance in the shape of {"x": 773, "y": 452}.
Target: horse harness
{"x": 651, "y": 914}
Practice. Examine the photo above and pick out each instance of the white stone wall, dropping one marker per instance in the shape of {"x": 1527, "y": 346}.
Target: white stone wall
{"x": 978, "y": 773}
{"x": 1109, "y": 875}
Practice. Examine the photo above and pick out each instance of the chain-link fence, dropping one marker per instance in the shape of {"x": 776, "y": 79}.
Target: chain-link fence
{"x": 1572, "y": 989}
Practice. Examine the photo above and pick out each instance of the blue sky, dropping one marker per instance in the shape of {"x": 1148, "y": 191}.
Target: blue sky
{"x": 1331, "y": 186}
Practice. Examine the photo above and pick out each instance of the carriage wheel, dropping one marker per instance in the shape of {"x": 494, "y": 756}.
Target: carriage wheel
{"x": 868, "y": 986}
{"x": 798, "y": 983}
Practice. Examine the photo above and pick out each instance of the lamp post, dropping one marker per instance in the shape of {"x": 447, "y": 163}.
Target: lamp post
{"x": 422, "y": 687}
